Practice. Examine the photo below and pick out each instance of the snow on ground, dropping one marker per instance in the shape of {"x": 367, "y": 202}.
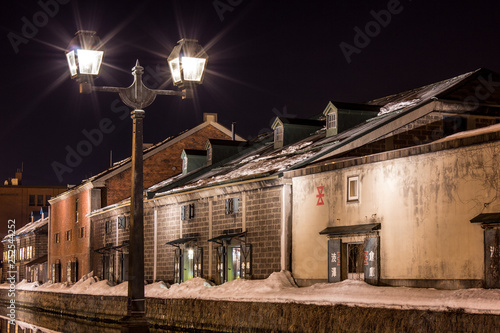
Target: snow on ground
{"x": 280, "y": 287}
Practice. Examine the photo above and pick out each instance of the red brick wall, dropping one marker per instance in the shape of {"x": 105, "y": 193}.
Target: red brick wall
{"x": 160, "y": 166}
{"x": 62, "y": 220}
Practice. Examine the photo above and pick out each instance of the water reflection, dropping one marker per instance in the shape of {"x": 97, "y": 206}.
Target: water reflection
{"x": 34, "y": 322}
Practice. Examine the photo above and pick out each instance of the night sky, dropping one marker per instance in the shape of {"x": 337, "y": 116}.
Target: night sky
{"x": 266, "y": 58}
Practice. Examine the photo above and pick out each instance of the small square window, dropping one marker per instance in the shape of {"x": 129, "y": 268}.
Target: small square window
{"x": 32, "y": 200}
{"x": 191, "y": 211}
{"x": 183, "y": 213}
{"x": 232, "y": 206}
{"x": 278, "y": 134}
{"x": 331, "y": 120}
{"x": 82, "y": 232}
{"x": 353, "y": 188}
{"x": 76, "y": 211}
{"x": 69, "y": 234}
{"x": 122, "y": 222}
{"x": 209, "y": 155}
{"x": 184, "y": 165}
{"x": 58, "y": 237}
{"x": 187, "y": 212}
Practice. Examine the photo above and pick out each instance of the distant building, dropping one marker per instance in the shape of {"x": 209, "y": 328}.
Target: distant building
{"x": 29, "y": 251}
{"x": 17, "y": 201}
{"x": 71, "y": 243}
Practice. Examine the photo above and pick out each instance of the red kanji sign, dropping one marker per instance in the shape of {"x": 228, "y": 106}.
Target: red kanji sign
{"x": 320, "y": 195}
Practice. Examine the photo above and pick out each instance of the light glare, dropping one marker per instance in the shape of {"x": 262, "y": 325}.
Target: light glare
{"x": 192, "y": 68}
{"x": 89, "y": 61}
{"x": 70, "y": 56}
{"x": 175, "y": 69}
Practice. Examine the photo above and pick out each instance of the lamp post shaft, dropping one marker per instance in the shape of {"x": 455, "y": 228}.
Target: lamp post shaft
{"x": 136, "y": 302}
{"x": 137, "y": 96}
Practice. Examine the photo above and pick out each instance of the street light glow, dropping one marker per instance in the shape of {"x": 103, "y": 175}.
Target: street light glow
{"x": 192, "y": 68}
{"x": 89, "y": 61}
{"x": 175, "y": 68}
{"x": 72, "y": 63}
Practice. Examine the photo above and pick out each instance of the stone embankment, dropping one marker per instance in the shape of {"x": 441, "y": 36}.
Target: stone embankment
{"x": 225, "y": 316}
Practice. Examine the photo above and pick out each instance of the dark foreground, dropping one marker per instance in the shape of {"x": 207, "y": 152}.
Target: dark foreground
{"x": 85, "y": 313}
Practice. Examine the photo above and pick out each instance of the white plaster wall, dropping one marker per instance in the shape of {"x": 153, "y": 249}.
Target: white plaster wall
{"x": 424, "y": 203}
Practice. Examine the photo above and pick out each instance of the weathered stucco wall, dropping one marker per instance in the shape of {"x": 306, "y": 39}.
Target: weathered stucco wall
{"x": 423, "y": 202}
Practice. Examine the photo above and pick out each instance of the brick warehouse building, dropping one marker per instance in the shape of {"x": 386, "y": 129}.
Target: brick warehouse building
{"x": 183, "y": 215}
{"x": 70, "y": 230}
{"x": 239, "y": 229}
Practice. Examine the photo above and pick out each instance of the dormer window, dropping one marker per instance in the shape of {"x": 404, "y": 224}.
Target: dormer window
{"x": 193, "y": 159}
{"x": 278, "y": 134}
{"x": 292, "y": 130}
{"x": 331, "y": 120}
{"x": 341, "y": 116}
{"x": 209, "y": 154}
{"x": 184, "y": 164}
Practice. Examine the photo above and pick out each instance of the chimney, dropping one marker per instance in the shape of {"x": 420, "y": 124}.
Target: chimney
{"x": 19, "y": 176}
{"x": 210, "y": 117}
{"x": 233, "y": 131}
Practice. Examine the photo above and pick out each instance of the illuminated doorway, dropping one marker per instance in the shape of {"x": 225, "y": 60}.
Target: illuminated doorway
{"x": 234, "y": 263}
{"x": 355, "y": 269}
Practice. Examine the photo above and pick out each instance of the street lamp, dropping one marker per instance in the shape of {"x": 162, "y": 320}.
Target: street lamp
{"x": 187, "y": 63}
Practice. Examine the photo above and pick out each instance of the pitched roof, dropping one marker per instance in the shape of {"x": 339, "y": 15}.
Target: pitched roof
{"x": 259, "y": 159}
{"x": 422, "y": 94}
{"x": 126, "y": 163}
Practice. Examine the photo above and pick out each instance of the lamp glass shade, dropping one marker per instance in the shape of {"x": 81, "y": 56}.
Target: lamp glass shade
{"x": 73, "y": 68}
{"x": 89, "y": 61}
{"x": 192, "y": 68}
{"x": 175, "y": 69}
{"x": 84, "y": 55}
{"x": 187, "y": 63}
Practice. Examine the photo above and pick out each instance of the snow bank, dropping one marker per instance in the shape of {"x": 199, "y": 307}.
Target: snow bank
{"x": 280, "y": 287}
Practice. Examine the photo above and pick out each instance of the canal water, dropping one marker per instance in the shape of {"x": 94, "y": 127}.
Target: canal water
{"x": 30, "y": 322}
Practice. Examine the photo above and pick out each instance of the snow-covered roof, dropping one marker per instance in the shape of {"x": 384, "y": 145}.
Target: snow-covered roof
{"x": 125, "y": 163}
{"x": 264, "y": 161}
{"x": 471, "y": 133}
{"x": 415, "y": 96}
{"x": 259, "y": 159}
